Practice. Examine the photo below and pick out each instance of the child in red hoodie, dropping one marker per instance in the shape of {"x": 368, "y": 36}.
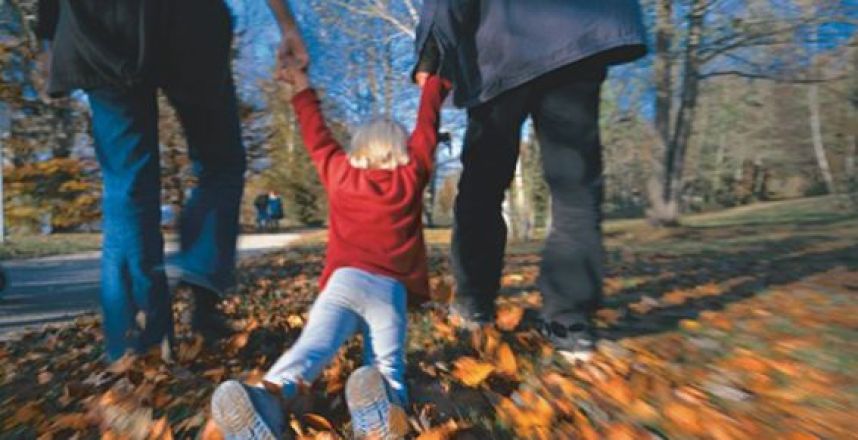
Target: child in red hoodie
{"x": 376, "y": 263}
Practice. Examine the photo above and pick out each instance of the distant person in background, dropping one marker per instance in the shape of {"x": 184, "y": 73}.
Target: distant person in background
{"x": 121, "y": 52}
{"x": 275, "y": 211}
{"x": 544, "y": 59}
{"x": 260, "y": 203}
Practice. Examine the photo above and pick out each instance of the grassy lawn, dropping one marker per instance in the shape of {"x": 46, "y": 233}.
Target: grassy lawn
{"x": 800, "y": 212}
{"x": 32, "y": 246}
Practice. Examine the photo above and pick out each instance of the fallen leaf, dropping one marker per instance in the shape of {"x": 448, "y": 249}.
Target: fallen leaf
{"x": 470, "y": 371}
{"x": 211, "y": 432}
{"x": 443, "y": 432}
{"x": 683, "y": 417}
{"x": 689, "y": 325}
{"x": 161, "y": 430}
{"x": 643, "y": 412}
{"x": 621, "y": 431}
{"x": 215, "y": 374}
{"x": 675, "y": 297}
{"x": 508, "y": 317}
{"x": 295, "y": 321}
{"x": 189, "y": 351}
{"x": 512, "y": 279}
{"x": 618, "y": 389}
{"x": 506, "y": 364}
{"x": 238, "y": 341}
{"x": 318, "y": 422}
{"x": 44, "y": 377}
{"x": 74, "y": 421}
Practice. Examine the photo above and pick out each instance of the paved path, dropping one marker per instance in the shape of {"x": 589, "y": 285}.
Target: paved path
{"x": 57, "y": 289}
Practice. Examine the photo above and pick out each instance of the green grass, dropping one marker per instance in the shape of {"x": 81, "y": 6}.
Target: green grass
{"x": 698, "y": 233}
{"x": 32, "y": 246}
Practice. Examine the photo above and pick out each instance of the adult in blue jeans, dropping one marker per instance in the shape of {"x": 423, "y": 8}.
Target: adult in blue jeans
{"x": 121, "y": 52}
{"x": 545, "y": 60}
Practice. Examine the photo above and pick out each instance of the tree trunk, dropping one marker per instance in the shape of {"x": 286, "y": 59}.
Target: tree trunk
{"x": 662, "y": 72}
{"x": 850, "y": 157}
{"x": 666, "y": 212}
{"x": 816, "y": 134}
{"x": 719, "y": 162}
{"x": 388, "y": 79}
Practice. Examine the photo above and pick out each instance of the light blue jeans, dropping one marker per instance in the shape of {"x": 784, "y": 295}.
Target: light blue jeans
{"x": 353, "y": 299}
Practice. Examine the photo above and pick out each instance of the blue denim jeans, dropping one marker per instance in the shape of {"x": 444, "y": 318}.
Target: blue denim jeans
{"x": 352, "y": 300}
{"x": 133, "y": 279}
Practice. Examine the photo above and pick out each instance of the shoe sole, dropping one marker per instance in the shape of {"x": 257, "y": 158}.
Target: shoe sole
{"x": 233, "y": 412}
{"x": 366, "y": 380}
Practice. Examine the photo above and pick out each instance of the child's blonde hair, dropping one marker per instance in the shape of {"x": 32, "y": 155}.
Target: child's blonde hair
{"x": 381, "y": 143}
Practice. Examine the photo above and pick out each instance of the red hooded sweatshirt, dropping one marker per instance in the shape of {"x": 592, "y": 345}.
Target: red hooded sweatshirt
{"x": 375, "y": 216}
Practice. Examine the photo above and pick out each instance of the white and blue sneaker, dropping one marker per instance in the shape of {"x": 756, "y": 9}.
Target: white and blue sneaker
{"x": 245, "y": 412}
{"x": 374, "y": 416}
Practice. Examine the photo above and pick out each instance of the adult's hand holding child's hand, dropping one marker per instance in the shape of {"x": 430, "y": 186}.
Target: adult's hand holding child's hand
{"x": 295, "y": 76}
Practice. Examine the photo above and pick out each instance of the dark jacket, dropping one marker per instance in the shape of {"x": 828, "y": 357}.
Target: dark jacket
{"x": 491, "y": 46}
{"x": 123, "y": 43}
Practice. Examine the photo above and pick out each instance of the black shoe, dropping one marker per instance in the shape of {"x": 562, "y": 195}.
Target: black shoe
{"x": 206, "y": 319}
{"x": 575, "y": 343}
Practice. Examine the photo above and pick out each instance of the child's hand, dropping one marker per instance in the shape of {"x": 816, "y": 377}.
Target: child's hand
{"x": 294, "y": 76}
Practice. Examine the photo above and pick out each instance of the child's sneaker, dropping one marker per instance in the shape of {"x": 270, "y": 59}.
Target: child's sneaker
{"x": 374, "y": 417}
{"x": 244, "y": 412}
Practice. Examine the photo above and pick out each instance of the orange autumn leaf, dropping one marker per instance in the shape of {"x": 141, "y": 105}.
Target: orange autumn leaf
{"x": 689, "y": 325}
{"x": 683, "y": 417}
{"x": 675, "y": 297}
{"x": 44, "y": 377}
{"x": 506, "y": 363}
{"x": 215, "y": 374}
{"x": 211, "y": 432}
{"x": 621, "y": 431}
{"x": 750, "y": 363}
{"x": 512, "y": 279}
{"x": 238, "y": 341}
{"x": 470, "y": 371}
{"x": 251, "y": 324}
{"x": 75, "y": 421}
{"x": 608, "y": 316}
{"x": 618, "y": 389}
{"x": 189, "y": 351}
{"x": 295, "y": 321}
{"x": 508, "y": 317}
{"x": 318, "y": 422}
{"x": 24, "y": 415}
{"x": 443, "y": 432}
{"x": 643, "y": 412}
{"x": 709, "y": 289}
{"x": 485, "y": 340}
{"x": 161, "y": 430}
{"x": 442, "y": 290}
{"x": 801, "y": 436}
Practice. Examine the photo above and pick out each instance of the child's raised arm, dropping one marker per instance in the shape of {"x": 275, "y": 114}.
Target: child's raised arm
{"x": 325, "y": 151}
{"x": 425, "y": 136}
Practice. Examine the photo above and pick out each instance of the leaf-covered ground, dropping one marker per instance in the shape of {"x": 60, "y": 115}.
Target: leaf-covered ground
{"x": 734, "y": 326}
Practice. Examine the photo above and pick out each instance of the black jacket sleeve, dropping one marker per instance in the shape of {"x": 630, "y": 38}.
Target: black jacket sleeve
{"x": 430, "y": 57}
{"x": 48, "y": 16}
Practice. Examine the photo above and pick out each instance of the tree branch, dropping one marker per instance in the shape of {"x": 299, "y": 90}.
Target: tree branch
{"x": 775, "y": 78}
